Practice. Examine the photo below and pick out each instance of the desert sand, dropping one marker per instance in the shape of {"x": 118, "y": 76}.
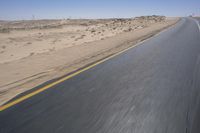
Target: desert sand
{"x": 33, "y": 52}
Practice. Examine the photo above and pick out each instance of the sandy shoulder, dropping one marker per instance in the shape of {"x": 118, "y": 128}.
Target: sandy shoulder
{"x": 59, "y": 54}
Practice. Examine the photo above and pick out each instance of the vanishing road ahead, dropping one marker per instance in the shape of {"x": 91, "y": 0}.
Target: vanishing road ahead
{"x": 152, "y": 88}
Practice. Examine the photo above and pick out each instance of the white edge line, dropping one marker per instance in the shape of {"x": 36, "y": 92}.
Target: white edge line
{"x": 197, "y": 22}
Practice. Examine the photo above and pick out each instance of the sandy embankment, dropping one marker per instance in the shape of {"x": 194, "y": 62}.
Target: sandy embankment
{"x": 31, "y": 55}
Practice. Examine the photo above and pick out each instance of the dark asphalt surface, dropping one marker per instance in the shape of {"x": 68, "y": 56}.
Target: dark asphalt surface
{"x": 153, "y": 88}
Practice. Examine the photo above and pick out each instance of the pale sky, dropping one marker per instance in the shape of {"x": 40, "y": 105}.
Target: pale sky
{"x": 53, "y": 9}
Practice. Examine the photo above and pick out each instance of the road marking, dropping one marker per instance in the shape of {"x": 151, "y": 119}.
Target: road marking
{"x": 3, "y": 107}
{"x": 21, "y": 99}
{"x": 198, "y": 25}
{"x": 197, "y": 22}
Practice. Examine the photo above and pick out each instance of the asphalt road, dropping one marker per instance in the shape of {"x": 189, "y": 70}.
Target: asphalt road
{"x": 152, "y": 88}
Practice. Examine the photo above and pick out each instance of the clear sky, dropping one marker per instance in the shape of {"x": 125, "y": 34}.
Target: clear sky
{"x": 44, "y": 9}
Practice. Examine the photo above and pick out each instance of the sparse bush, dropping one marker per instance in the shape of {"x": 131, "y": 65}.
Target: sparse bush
{"x": 72, "y": 36}
{"x": 3, "y": 47}
{"x": 84, "y": 24}
{"x": 128, "y": 30}
{"x": 92, "y": 31}
{"x": 32, "y": 53}
{"x": 28, "y": 43}
{"x": 4, "y": 30}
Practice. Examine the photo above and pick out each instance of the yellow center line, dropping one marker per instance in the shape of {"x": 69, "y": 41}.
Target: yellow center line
{"x": 12, "y": 103}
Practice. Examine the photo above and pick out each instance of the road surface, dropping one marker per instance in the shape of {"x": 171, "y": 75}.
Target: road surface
{"x": 152, "y": 88}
